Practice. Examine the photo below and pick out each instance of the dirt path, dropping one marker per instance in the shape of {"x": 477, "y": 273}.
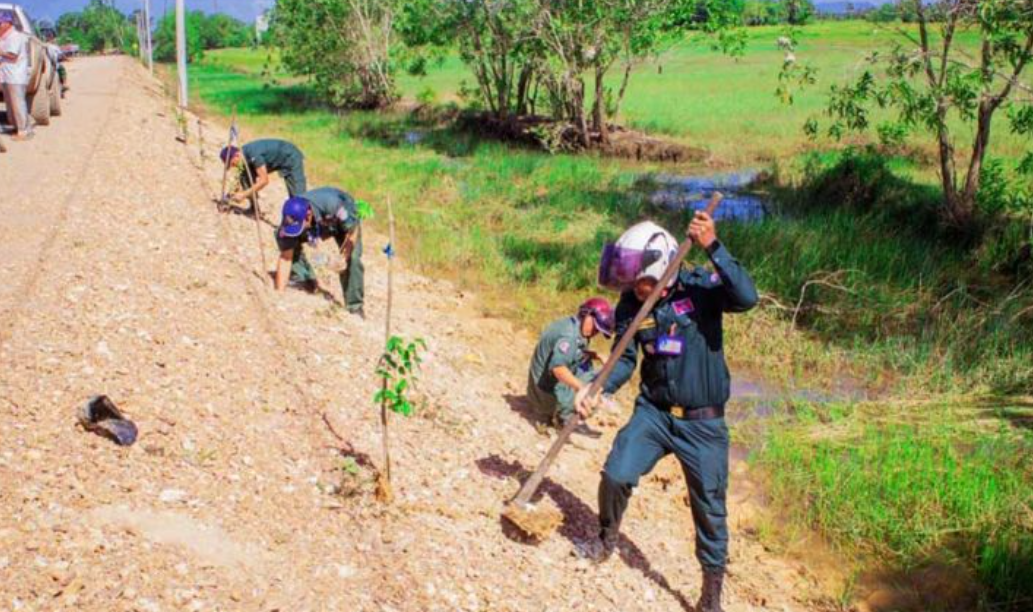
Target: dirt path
{"x": 120, "y": 278}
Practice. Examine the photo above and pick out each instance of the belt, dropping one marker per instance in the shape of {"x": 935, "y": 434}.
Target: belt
{"x": 695, "y": 414}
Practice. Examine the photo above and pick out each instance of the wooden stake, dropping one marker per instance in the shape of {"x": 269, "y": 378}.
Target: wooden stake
{"x": 258, "y": 210}
{"x": 384, "y": 491}
{"x": 230, "y": 141}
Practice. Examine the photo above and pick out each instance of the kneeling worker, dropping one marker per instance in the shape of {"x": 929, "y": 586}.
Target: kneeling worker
{"x": 561, "y": 366}
{"x": 262, "y": 157}
{"x": 318, "y": 215}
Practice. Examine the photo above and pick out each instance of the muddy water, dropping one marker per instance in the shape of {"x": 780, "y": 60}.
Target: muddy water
{"x": 741, "y": 201}
{"x": 754, "y": 401}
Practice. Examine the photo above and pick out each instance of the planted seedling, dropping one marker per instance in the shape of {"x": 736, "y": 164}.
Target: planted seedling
{"x": 397, "y": 370}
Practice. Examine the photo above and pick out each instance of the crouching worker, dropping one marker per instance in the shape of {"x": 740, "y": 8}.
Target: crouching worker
{"x": 684, "y": 387}
{"x": 561, "y": 366}
{"x": 257, "y": 159}
{"x": 321, "y": 214}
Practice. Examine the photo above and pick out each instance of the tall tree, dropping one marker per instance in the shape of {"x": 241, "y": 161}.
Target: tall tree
{"x": 346, "y": 46}
{"x": 933, "y": 82}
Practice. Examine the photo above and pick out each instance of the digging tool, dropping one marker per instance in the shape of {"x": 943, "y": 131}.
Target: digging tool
{"x": 538, "y": 523}
{"x": 231, "y": 138}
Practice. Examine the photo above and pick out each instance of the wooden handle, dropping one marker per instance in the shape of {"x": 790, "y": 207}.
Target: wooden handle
{"x": 531, "y": 484}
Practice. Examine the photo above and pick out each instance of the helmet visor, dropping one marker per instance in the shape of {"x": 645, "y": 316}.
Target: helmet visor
{"x": 619, "y": 267}
{"x": 604, "y": 323}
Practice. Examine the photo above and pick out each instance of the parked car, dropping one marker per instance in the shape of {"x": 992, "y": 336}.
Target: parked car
{"x": 44, "y": 91}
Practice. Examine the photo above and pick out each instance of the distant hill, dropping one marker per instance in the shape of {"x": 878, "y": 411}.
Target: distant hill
{"x": 843, "y": 8}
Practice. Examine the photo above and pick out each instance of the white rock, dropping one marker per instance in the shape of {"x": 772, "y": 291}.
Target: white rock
{"x": 345, "y": 571}
{"x": 103, "y": 350}
{"x": 170, "y": 496}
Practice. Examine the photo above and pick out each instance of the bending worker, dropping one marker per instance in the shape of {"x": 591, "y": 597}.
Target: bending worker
{"x": 561, "y": 366}
{"x": 684, "y": 387}
{"x": 257, "y": 159}
{"x": 319, "y": 215}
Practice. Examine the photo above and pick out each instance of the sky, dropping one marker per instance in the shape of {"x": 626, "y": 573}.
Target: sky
{"x": 245, "y": 10}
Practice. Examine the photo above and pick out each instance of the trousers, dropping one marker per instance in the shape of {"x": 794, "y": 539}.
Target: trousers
{"x": 702, "y": 449}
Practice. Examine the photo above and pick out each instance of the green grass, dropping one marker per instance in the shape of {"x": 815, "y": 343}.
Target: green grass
{"x": 527, "y": 228}
{"x": 914, "y": 309}
{"x": 944, "y": 485}
{"x": 725, "y": 105}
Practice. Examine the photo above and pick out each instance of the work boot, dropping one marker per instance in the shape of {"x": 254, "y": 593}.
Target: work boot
{"x": 359, "y": 312}
{"x": 710, "y": 599}
{"x": 598, "y": 550}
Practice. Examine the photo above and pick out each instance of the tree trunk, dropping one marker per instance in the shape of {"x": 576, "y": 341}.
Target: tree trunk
{"x": 965, "y": 206}
{"x": 524, "y": 87}
{"x": 579, "y": 111}
{"x": 599, "y": 107}
{"x": 623, "y": 89}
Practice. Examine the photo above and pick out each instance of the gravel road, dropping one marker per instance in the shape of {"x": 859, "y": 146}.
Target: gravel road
{"x": 247, "y": 488}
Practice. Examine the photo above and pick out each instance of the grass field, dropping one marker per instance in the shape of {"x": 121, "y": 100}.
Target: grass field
{"x": 706, "y": 99}
{"x": 911, "y": 309}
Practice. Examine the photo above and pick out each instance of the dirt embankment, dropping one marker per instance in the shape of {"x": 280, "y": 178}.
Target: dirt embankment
{"x": 253, "y": 407}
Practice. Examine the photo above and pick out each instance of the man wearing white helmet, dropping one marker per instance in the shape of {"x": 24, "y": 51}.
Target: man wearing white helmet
{"x": 685, "y": 384}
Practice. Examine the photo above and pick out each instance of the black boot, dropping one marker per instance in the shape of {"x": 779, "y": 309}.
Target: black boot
{"x": 598, "y": 550}
{"x": 710, "y": 599}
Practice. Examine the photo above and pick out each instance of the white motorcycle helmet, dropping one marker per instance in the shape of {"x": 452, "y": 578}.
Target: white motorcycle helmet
{"x": 643, "y": 251}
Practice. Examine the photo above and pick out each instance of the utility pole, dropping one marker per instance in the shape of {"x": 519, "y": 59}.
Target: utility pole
{"x": 147, "y": 35}
{"x": 139, "y": 34}
{"x": 181, "y": 53}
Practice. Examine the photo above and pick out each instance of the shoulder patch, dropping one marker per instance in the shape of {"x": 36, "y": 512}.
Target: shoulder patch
{"x": 564, "y": 346}
{"x": 715, "y": 278}
{"x": 342, "y": 214}
{"x": 683, "y": 306}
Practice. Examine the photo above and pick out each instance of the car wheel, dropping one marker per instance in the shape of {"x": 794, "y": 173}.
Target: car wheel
{"x": 39, "y": 107}
{"x": 55, "y": 97}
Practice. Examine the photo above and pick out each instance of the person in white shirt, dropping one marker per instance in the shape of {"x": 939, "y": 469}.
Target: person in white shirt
{"x": 14, "y": 74}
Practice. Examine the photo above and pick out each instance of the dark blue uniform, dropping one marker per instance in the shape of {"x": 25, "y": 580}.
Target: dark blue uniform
{"x": 680, "y": 407}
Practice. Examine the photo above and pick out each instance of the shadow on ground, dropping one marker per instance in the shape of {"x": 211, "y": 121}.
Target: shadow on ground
{"x": 580, "y": 522}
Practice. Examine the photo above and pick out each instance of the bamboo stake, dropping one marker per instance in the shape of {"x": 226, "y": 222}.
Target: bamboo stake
{"x": 230, "y": 141}
{"x": 384, "y": 490}
{"x": 257, "y": 211}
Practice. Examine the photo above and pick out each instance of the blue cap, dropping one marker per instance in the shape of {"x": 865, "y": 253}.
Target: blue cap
{"x": 228, "y": 153}
{"x": 295, "y": 210}
{"x": 6, "y": 17}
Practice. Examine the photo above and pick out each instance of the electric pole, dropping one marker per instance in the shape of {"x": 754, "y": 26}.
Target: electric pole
{"x": 181, "y": 53}
{"x": 147, "y": 34}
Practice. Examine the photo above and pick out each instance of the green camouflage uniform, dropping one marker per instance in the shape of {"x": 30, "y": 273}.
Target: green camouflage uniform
{"x": 334, "y": 214}
{"x": 560, "y": 345}
{"x": 277, "y": 156}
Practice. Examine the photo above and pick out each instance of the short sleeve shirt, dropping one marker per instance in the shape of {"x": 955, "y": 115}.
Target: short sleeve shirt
{"x": 275, "y": 155}
{"x": 561, "y": 344}
{"x": 16, "y": 72}
{"x": 334, "y": 213}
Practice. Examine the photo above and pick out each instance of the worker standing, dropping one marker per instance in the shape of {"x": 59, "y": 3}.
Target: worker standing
{"x": 561, "y": 366}
{"x": 14, "y": 76}
{"x": 321, "y": 214}
{"x": 256, "y": 160}
{"x": 684, "y": 387}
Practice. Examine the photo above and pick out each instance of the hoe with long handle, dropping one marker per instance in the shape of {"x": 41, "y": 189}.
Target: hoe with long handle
{"x": 520, "y": 503}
